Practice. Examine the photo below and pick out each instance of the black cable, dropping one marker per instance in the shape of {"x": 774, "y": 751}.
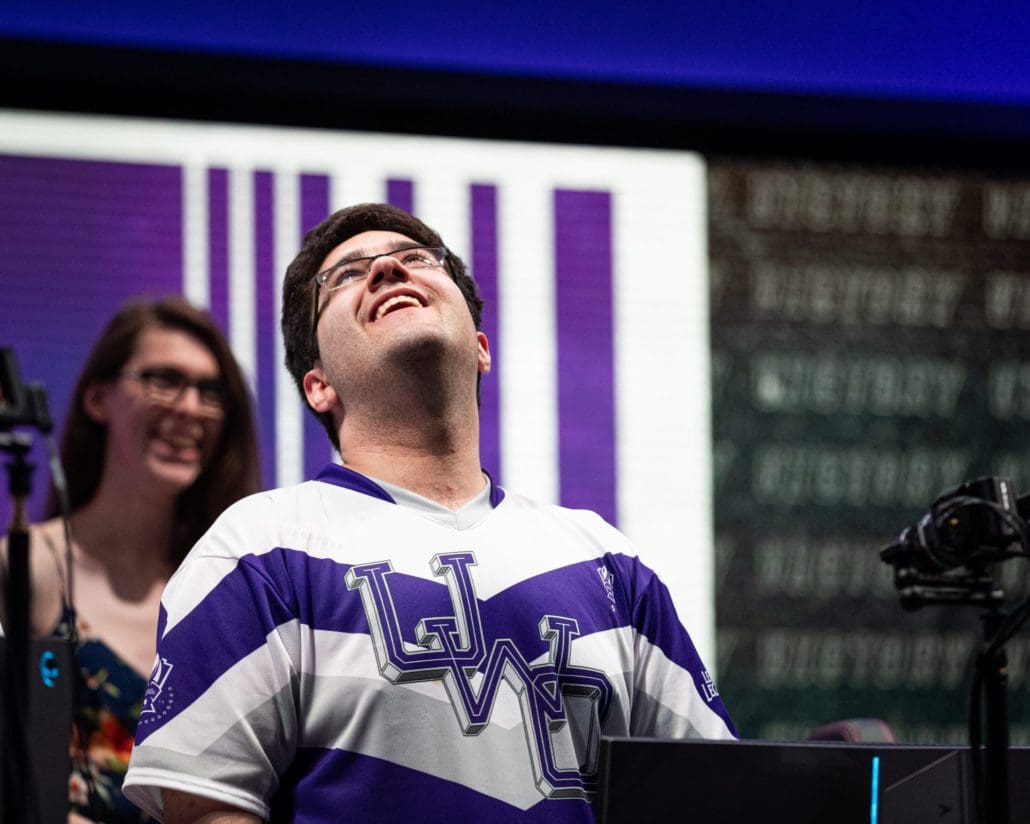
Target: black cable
{"x": 60, "y": 483}
{"x": 975, "y": 752}
{"x": 70, "y": 621}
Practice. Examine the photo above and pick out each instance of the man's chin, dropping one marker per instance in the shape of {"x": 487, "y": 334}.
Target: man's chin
{"x": 420, "y": 345}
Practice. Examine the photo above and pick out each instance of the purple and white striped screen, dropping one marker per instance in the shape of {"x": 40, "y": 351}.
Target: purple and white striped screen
{"x": 592, "y": 262}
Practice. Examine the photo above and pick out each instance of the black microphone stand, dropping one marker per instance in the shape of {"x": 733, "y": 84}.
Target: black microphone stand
{"x": 992, "y": 665}
{"x": 988, "y": 704}
{"x": 26, "y": 406}
{"x": 19, "y": 796}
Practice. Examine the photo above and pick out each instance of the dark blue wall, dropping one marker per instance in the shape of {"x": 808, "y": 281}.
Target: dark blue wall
{"x": 948, "y": 50}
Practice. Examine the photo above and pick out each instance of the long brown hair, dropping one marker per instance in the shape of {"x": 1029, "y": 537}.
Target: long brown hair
{"x": 233, "y": 470}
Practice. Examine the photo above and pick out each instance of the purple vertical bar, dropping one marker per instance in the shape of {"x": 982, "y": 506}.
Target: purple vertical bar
{"x": 264, "y": 284}
{"x": 484, "y": 270}
{"x": 218, "y": 244}
{"x": 586, "y": 401}
{"x": 401, "y": 193}
{"x": 314, "y": 206}
{"x": 77, "y": 238}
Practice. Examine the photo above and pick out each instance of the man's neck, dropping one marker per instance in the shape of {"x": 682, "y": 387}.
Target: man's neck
{"x": 438, "y": 463}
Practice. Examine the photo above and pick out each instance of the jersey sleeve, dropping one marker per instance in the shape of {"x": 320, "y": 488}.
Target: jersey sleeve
{"x": 674, "y": 695}
{"x": 219, "y": 719}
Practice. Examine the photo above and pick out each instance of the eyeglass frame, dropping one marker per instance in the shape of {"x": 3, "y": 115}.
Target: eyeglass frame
{"x": 146, "y": 375}
{"x": 321, "y": 277}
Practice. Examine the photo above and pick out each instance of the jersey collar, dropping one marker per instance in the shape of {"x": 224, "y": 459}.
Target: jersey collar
{"x": 338, "y": 475}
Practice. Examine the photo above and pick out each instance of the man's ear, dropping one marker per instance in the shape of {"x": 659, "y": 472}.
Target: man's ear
{"x": 94, "y": 402}
{"x": 317, "y": 390}
{"x": 484, "y": 353}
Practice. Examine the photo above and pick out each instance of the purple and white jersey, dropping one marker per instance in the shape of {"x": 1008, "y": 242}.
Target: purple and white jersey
{"x": 325, "y": 654}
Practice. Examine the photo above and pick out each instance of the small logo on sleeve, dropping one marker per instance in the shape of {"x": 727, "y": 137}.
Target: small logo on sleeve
{"x": 708, "y": 686}
{"x": 608, "y": 581}
{"x": 158, "y": 699}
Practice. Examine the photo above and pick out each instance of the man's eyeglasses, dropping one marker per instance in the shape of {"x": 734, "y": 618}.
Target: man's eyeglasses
{"x": 351, "y": 271}
{"x": 165, "y": 385}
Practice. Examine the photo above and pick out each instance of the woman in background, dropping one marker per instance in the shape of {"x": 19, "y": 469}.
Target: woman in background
{"x": 158, "y": 440}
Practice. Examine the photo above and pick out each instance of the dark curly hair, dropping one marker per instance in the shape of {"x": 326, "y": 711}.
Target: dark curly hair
{"x": 233, "y": 470}
{"x": 299, "y": 286}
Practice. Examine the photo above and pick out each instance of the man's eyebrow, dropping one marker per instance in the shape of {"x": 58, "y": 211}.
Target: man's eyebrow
{"x": 392, "y": 246}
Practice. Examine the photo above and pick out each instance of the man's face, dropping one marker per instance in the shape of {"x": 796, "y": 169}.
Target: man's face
{"x": 396, "y": 310}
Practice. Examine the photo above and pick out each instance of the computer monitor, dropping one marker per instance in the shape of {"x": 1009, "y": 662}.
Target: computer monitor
{"x": 767, "y": 782}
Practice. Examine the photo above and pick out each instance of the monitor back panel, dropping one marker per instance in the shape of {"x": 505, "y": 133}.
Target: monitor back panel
{"x": 761, "y": 782}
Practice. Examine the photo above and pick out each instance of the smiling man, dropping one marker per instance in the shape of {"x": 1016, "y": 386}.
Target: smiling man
{"x": 402, "y": 639}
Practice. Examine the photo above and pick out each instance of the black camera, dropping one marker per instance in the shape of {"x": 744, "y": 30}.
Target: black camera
{"x": 20, "y": 404}
{"x": 945, "y": 557}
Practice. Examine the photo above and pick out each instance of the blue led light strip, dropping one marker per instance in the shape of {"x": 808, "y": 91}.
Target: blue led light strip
{"x": 874, "y": 807}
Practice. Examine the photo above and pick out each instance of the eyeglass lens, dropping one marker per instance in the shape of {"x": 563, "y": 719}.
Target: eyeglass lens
{"x": 347, "y": 272}
{"x": 166, "y": 385}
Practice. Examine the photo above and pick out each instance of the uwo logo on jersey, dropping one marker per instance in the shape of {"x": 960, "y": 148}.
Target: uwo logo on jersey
{"x": 453, "y": 648}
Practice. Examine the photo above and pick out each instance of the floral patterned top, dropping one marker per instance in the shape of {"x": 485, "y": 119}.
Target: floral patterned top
{"x": 108, "y": 700}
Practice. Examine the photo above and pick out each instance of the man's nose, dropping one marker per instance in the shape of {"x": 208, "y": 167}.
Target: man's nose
{"x": 386, "y": 269}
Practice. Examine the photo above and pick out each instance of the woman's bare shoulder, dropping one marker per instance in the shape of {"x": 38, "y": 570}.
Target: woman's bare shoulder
{"x": 46, "y": 571}
{"x": 42, "y": 536}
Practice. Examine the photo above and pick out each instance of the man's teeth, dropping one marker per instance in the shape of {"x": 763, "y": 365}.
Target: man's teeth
{"x": 396, "y": 300}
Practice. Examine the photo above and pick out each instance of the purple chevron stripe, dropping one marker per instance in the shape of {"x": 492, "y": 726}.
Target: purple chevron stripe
{"x": 515, "y": 612}
{"x": 265, "y": 282}
{"x": 218, "y": 245}
{"x": 234, "y": 618}
{"x": 401, "y": 193}
{"x": 484, "y": 271}
{"x": 314, "y": 206}
{"x": 162, "y": 620}
{"x": 586, "y": 402}
{"x": 327, "y": 785}
{"x": 655, "y": 617}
